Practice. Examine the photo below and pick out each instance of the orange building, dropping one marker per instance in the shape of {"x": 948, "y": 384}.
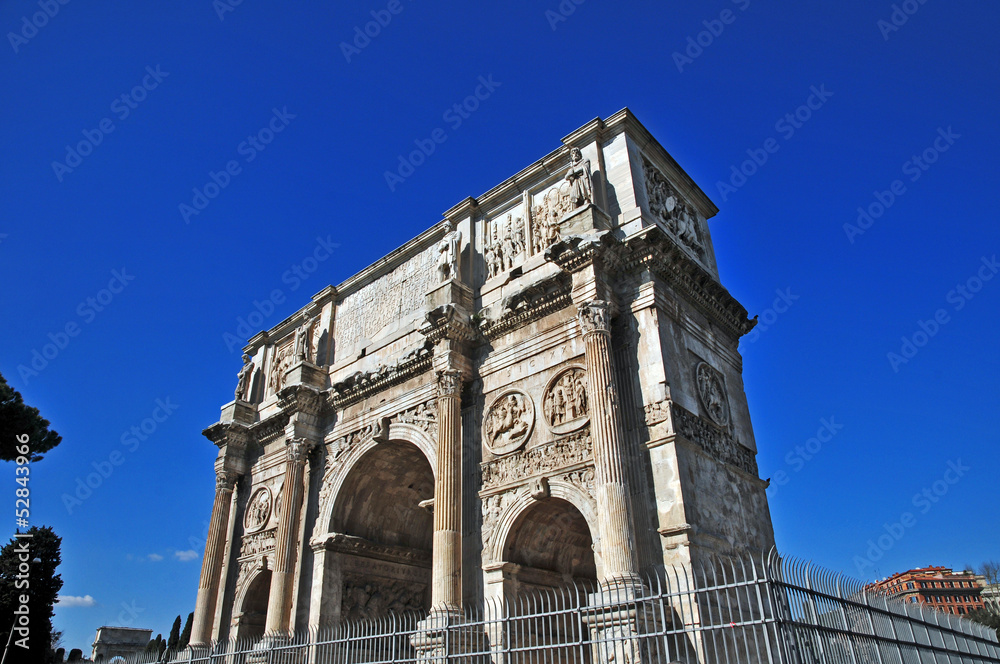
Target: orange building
{"x": 957, "y": 593}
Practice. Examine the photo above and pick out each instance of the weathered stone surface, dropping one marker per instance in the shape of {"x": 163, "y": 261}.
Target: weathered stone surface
{"x": 544, "y": 386}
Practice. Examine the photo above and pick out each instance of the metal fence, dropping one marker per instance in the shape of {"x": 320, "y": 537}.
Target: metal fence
{"x": 753, "y": 610}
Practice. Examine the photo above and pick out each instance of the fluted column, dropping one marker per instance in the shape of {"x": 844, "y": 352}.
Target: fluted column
{"x": 614, "y": 515}
{"x": 211, "y": 564}
{"x": 446, "y": 591}
{"x": 279, "y": 602}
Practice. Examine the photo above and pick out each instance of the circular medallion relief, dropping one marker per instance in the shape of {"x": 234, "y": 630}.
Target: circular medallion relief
{"x": 258, "y": 510}
{"x": 566, "y": 405}
{"x": 712, "y": 393}
{"x": 508, "y": 422}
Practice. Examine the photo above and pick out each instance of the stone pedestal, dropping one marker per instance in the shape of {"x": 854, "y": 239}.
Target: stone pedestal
{"x": 618, "y": 621}
{"x": 238, "y": 411}
{"x": 305, "y": 373}
{"x": 439, "y": 639}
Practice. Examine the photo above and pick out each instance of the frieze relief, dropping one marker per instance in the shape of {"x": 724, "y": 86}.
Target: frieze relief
{"x": 565, "y": 403}
{"x": 676, "y": 214}
{"x": 504, "y": 244}
{"x": 512, "y": 469}
{"x": 718, "y": 443}
{"x": 284, "y": 356}
{"x": 367, "y": 599}
{"x": 574, "y": 192}
{"x": 257, "y": 543}
{"x": 391, "y": 297}
{"x": 508, "y": 422}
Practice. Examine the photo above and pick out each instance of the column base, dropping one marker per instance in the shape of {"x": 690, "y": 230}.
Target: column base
{"x": 623, "y": 624}
{"x": 445, "y": 634}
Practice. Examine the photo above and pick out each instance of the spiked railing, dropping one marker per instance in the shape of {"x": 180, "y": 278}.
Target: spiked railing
{"x": 756, "y": 609}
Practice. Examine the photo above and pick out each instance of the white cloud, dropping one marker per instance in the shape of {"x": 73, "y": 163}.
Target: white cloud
{"x": 185, "y": 556}
{"x": 71, "y": 600}
{"x": 155, "y": 557}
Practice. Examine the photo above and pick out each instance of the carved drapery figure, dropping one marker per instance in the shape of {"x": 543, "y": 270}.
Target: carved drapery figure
{"x": 449, "y": 253}
{"x": 503, "y": 248}
{"x": 678, "y": 216}
{"x": 302, "y": 347}
{"x": 581, "y": 186}
{"x": 712, "y": 392}
{"x": 243, "y": 379}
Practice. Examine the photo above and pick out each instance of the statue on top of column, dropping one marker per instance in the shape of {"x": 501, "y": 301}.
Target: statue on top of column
{"x": 449, "y": 253}
{"x": 578, "y": 176}
{"x": 243, "y": 382}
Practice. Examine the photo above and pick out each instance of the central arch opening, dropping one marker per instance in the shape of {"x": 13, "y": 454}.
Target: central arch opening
{"x": 387, "y": 537}
{"x": 250, "y": 620}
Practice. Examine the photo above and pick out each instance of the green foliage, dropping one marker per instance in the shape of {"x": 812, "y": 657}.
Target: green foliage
{"x": 186, "y": 633}
{"x": 984, "y": 617}
{"x": 175, "y": 635}
{"x": 42, "y": 589}
{"x": 18, "y": 418}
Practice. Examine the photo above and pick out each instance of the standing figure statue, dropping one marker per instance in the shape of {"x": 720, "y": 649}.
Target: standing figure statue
{"x": 449, "y": 253}
{"x": 243, "y": 382}
{"x": 302, "y": 338}
{"x": 581, "y": 187}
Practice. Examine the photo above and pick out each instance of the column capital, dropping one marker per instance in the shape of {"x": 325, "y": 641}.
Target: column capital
{"x": 594, "y": 317}
{"x": 449, "y": 383}
{"x": 225, "y": 480}
{"x": 297, "y": 450}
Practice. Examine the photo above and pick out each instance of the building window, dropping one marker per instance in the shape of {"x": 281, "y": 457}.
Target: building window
{"x": 909, "y": 586}
{"x": 961, "y": 610}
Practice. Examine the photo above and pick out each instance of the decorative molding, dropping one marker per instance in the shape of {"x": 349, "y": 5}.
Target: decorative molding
{"x": 270, "y": 429}
{"x": 593, "y": 317}
{"x": 361, "y": 385}
{"x": 447, "y": 322}
{"x": 516, "y": 468}
{"x": 225, "y": 480}
{"x": 576, "y": 252}
{"x": 527, "y": 305}
{"x": 302, "y": 399}
{"x": 508, "y": 422}
{"x": 359, "y": 546}
{"x": 449, "y": 382}
{"x": 653, "y": 250}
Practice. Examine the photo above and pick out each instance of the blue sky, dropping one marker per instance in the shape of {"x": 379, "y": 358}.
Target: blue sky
{"x": 199, "y": 80}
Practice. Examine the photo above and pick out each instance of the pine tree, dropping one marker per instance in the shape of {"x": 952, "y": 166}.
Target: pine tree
{"x": 175, "y": 635}
{"x": 186, "y": 633}
{"x": 42, "y": 549}
{"x": 19, "y": 419}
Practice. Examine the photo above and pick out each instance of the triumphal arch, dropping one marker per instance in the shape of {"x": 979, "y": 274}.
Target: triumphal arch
{"x": 542, "y": 387}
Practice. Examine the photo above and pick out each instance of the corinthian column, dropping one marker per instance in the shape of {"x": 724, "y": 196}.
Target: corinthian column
{"x": 614, "y": 517}
{"x": 279, "y": 602}
{"x": 446, "y": 593}
{"x": 211, "y": 565}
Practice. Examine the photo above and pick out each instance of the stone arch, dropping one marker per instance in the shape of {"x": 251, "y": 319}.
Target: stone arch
{"x": 334, "y": 479}
{"x": 560, "y": 491}
{"x": 372, "y": 553}
{"x": 251, "y": 605}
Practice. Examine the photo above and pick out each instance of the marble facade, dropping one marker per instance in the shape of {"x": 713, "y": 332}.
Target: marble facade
{"x": 544, "y": 386}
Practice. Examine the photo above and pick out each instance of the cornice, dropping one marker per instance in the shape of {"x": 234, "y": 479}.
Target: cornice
{"x": 652, "y": 249}
{"x": 528, "y": 305}
{"x": 361, "y": 385}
